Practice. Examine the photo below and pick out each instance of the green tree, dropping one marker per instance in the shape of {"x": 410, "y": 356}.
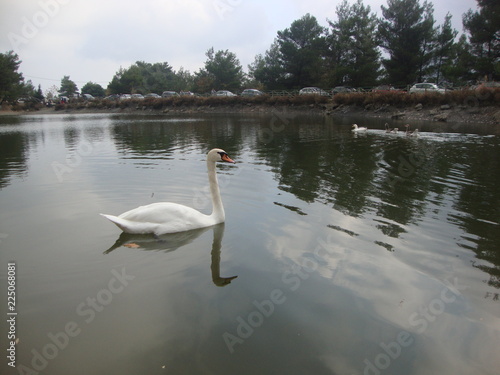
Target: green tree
{"x": 68, "y": 87}
{"x": 406, "y": 33}
{"x": 183, "y": 80}
{"x": 225, "y": 69}
{"x": 157, "y": 77}
{"x": 445, "y": 42}
{"x": 93, "y": 89}
{"x": 302, "y": 48}
{"x": 268, "y": 69}
{"x": 143, "y": 78}
{"x": 484, "y": 29}
{"x": 353, "y": 46}
{"x": 203, "y": 81}
{"x": 10, "y": 79}
{"x": 460, "y": 67}
{"x": 38, "y": 94}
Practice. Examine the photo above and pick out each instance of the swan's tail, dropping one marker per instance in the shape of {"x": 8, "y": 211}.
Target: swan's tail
{"x": 131, "y": 226}
{"x": 120, "y": 223}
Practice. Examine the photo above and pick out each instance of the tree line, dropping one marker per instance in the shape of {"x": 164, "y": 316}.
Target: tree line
{"x": 357, "y": 49}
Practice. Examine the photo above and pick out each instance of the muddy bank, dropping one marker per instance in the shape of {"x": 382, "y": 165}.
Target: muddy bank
{"x": 440, "y": 113}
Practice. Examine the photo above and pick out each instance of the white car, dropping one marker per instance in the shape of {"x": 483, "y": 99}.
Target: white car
{"x": 313, "y": 91}
{"x": 426, "y": 87}
{"x": 224, "y": 93}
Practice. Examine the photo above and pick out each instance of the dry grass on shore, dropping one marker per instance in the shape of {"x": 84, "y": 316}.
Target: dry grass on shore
{"x": 484, "y": 97}
{"x": 398, "y": 99}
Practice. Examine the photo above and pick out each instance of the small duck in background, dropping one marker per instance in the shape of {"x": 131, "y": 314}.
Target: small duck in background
{"x": 356, "y": 128}
{"x": 389, "y": 130}
{"x": 410, "y": 133}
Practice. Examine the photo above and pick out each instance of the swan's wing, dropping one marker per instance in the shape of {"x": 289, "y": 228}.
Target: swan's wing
{"x": 161, "y": 213}
{"x": 160, "y": 218}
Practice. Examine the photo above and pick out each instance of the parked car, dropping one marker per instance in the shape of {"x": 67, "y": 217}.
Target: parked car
{"x": 384, "y": 88}
{"x": 137, "y": 96}
{"x": 152, "y": 95}
{"x": 112, "y": 97}
{"x": 342, "y": 89}
{"x": 168, "y": 94}
{"x": 28, "y": 99}
{"x": 125, "y": 97}
{"x": 88, "y": 97}
{"x": 313, "y": 91}
{"x": 224, "y": 93}
{"x": 186, "y": 93}
{"x": 420, "y": 88}
{"x": 251, "y": 92}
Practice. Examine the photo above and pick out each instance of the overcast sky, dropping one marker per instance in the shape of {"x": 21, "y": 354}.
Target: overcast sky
{"x": 90, "y": 39}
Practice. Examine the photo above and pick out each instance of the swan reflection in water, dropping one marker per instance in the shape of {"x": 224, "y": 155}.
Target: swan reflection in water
{"x": 174, "y": 241}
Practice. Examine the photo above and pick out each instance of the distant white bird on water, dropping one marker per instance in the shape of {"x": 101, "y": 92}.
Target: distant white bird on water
{"x": 356, "y": 129}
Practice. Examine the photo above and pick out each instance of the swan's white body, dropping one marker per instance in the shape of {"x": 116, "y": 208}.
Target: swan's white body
{"x": 165, "y": 217}
{"x": 356, "y": 129}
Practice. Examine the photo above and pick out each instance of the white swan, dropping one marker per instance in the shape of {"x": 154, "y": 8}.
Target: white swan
{"x": 166, "y": 217}
{"x": 355, "y": 128}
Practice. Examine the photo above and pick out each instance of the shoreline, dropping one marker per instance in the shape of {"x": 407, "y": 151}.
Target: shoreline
{"x": 445, "y": 114}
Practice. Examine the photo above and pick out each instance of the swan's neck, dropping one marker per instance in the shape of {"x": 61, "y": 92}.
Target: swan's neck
{"x": 217, "y": 209}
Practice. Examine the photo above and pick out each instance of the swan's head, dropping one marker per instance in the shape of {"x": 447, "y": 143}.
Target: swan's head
{"x": 218, "y": 154}
{"x": 354, "y": 126}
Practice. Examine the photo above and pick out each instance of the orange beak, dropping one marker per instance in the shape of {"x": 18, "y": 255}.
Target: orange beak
{"x": 227, "y": 159}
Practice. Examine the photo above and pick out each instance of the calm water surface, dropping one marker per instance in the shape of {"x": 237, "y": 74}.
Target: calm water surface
{"x": 341, "y": 254}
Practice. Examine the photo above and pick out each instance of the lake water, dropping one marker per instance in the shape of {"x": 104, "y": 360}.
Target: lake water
{"x": 341, "y": 254}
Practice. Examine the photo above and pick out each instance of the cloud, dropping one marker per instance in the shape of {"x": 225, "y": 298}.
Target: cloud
{"x": 89, "y": 40}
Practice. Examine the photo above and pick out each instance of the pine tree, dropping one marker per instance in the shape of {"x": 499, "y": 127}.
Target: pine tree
{"x": 406, "y": 33}
{"x": 225, "y": 68}
{"x": 302, "y": 47}
{"x": 268, "y": 69}
{"x": 484, "y": 29}
{"x": 354, "y": 54}
{"x": 10, "y": 79}
{"x": 445, "y": 42}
